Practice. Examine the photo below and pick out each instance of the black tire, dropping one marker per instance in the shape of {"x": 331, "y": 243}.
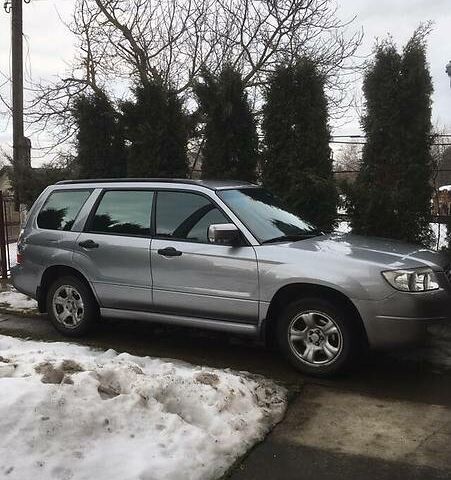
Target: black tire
{"x": 342, "y": 340}
{"x": 89, "y": 307}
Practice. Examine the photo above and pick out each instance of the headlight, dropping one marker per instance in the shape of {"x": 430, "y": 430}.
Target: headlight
{"x": 418, "y": 280}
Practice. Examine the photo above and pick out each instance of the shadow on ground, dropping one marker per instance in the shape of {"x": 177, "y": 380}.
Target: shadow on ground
{"x": 379, "y": 374}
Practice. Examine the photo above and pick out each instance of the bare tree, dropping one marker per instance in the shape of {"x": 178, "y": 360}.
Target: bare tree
{"x": 175, "y": 39}
{"x": 441, "y": 176}
{"x": 171, "y": 41}
{"x": 51, "y": 105}
{"x": 347, "y": 163}
{"x": 441, "y": 159}
{"x": 5, "y": 105}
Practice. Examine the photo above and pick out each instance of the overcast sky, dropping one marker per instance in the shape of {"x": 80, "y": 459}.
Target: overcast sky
{"x": 48, "y": 45}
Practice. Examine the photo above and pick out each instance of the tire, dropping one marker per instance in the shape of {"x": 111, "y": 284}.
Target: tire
{"x": 322, "y": 341}
{"x": 76, "y": 315}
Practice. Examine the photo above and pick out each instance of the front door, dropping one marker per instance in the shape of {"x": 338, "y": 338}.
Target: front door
{"x": 114, "y": 249}
{"x": 190, "y": 275}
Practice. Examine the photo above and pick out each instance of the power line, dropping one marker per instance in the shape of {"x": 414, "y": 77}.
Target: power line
{"x": 347, "y": 143}
{"x": 364, "y": 143}
{"x": 357, "y": 171}
{"x": 364, "y": 136}
{"x": 350, "y": 142}
{"x": 348, "y": 136}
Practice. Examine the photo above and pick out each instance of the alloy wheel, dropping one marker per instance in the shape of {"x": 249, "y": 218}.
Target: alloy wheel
{"x": 68, "y": 307}
{"x": 315, "y": 338}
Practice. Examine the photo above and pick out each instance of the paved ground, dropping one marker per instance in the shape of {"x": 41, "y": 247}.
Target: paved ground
{"x": 389, "y": 419}
{"x": 329, "y": 433}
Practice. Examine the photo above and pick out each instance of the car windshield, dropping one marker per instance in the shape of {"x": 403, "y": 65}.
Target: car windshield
{"x": 265, "y": 216}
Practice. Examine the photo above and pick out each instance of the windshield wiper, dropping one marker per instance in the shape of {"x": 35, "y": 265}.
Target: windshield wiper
{"x": 294, "y": 237}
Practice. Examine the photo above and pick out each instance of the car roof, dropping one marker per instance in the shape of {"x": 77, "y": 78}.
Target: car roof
{"x": 211, "y": 184}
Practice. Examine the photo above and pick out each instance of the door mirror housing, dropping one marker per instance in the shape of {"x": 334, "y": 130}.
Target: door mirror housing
{"x": 223, "y": 234}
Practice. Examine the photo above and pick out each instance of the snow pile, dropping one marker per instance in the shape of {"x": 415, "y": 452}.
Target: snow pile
{"x": 12, "y": 250}
{"x": 343, "y": 227}
{"x": 69, "y": 412}
{"x": 13, "y": 301}
{"x": 440, "y": 232}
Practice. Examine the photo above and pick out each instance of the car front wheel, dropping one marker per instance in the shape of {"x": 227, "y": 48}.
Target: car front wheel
{"x": 316, "y": 336}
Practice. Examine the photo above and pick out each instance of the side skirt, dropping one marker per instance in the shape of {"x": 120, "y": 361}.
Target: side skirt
{"x": 196, "y": 322}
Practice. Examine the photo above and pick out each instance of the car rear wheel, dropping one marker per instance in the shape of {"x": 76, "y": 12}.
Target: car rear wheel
{"x": 71, "y": 306}
{"x": 317, "y": 336}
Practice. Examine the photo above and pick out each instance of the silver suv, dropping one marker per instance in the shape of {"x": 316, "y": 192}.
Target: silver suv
{"x": 225, "y": 256}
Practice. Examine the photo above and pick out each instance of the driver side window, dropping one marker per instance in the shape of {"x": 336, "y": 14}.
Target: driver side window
{"x": 186, "y": 216}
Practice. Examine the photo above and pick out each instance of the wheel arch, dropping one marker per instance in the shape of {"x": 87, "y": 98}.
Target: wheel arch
{"x": 52, "y": 273}
{"x": 296, "y": 291}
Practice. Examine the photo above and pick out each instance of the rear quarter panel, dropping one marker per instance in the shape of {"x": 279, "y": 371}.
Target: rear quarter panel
{"x": 41, "y": 249}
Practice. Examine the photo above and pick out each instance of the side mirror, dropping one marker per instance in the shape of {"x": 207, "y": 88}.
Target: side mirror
{"x": 223, "y": 234}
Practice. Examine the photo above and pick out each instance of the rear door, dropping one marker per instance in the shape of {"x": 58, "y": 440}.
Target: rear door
{"x": 114, "y": 249}
{"x": 192, "y": 276}
{"x": 49, "y": 238}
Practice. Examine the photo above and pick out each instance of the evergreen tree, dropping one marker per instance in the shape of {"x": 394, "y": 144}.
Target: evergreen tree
{"x": 155, "y": 128}
{"x": 230, "y": 148}
{"x": 100, "y": 142}
{"x": 38, "y": 178}
{"x": 391, "y": 197}
{"x": 298, "y": 164}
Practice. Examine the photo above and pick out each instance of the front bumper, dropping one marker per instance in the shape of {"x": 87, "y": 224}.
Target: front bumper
{"x": 402, "y": 318}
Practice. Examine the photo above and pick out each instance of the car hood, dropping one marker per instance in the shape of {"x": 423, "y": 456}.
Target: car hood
{"x": 379, "y": 251}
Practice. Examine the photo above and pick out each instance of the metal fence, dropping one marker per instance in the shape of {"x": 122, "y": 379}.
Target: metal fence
{"x": 9, "y": 231}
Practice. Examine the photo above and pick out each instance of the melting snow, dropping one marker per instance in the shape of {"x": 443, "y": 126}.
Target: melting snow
{"x": 70, "y": 412}
{"x": 12, "y": 300}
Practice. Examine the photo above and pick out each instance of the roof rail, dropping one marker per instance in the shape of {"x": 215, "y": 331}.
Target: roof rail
{"x": 210, "y": 184}
{"x": 121, "y": 180}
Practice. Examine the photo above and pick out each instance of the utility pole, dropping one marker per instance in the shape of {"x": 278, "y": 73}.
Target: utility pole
{"x": 21, "y": 144}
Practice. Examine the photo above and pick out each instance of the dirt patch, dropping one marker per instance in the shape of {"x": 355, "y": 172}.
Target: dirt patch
{"x": 207, "y": 378}
{"x": 71, "y": 366}
{"x": 107, "y": 391}
{"x": 4, "y": 360}
{"x": 53, "y": 375}
{"x": 43, "y": 367}
{"x": 136, "y": 369}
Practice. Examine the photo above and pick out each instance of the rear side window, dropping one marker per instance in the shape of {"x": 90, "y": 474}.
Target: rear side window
{"x": 123, "y": 212}
{"x": 61, "y": 209}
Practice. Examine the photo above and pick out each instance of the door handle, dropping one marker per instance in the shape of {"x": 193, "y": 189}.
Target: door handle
{"x": 169, "y": 252}
{"x": 89, "y": 244}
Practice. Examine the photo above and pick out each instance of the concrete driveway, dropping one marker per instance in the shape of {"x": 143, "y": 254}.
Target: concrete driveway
{"x": 388, "y": 419}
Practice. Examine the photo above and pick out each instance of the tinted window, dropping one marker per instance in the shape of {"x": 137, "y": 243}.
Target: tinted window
{"x": 264, "y": 215}
{"x": 123, "y": 212}
{"x": 186, "y": 216}
{"x": 61, "y": 209}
